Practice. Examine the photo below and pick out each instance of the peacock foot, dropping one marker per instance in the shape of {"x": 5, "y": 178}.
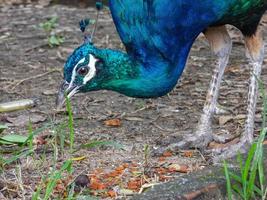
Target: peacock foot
{"x": 229, "y": 151}
{"x": 200, "y": 140}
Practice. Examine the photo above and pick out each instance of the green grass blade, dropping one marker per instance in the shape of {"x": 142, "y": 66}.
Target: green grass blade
{"x": 18, "y": 156}
{"x": 245, "y": 176}
{"x": 36, "y": 195}
{"x": 71, "y": 127}
{"x": 228, "y": 181}
{"x": 261, "y": 173}
{"x": 238, "y": 190}
{"x": 54, "y": 178}
{"x": 235, "y": 177}
{"x": 3, "y": 127}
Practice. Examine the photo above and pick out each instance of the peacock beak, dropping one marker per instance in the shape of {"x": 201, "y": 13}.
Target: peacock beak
{"x": 65, "y": 90}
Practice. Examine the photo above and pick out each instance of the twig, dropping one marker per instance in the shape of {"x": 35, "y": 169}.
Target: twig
{"x": 17, "y": 83}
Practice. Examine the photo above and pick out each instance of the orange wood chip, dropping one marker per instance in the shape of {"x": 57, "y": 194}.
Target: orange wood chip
{"x": 97, "y": 185}
{"x": 111, "y": 193}
{"x": 163, "y": 178}
{"x": 120, "y": 168}
{"x": 162, "y": 159}
{"x": 113, "y": 122}
{"x": 167, "y": 154}
{"x": 161, "y": 170}
{"x": 134, "y": 184}
{"x": 125, "y": 165}
{"x": 113, "y": 174}
{"x": 188, "y": 154}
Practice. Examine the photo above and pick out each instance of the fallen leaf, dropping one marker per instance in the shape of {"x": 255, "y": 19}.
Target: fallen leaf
{"x": 23, "y": 120}
{"x": 40, "y": 140}
{"x": 113, "y": 122}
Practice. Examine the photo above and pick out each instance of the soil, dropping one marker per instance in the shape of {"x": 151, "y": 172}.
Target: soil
{"x": 25, "y": 54}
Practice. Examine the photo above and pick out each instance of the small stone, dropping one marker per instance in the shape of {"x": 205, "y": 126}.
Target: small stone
{"x": 81, "y": 181}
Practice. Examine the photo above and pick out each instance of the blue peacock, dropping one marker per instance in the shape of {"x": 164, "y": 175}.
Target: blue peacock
{"x": 158, "y": 36}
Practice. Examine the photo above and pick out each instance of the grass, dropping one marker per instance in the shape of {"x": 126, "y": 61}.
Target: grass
{"x": 53, "y": 39}
{"x": 71, "y": 127}
{"x": 62, "y": 133}
{"x": 250, "y": 181}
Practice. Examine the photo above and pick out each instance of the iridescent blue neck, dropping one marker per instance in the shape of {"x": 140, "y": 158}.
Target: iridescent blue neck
{"x": 154, "y": 76}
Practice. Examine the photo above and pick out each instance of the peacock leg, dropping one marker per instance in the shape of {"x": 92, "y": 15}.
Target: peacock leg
{"x": 221, "y": 45}
{"x": 255, "y": 52}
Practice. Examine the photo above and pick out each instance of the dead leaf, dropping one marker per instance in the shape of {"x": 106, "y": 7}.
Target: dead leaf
{"x": 39, "y": 140}
{"x": 23, "y": 120}
{"x": 113, "y": 122}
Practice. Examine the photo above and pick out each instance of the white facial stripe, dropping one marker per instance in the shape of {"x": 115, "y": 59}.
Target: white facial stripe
{"x": 74, "y": 73}
{"x": 73, "y": 92}
{"x": 92, "y": 69}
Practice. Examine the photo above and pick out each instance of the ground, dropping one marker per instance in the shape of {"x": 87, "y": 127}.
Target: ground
{"x": 30, "y": 69}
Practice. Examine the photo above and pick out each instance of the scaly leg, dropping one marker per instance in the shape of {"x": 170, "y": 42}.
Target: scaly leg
{"x": 255, "y": 51}
{"x": 221, "y": 45}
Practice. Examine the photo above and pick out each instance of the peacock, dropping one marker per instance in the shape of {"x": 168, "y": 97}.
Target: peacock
{"x": 157, "y": 36}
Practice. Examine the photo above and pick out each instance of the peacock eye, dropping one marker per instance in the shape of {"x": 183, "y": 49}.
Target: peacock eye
{"x": 83, "y": 71}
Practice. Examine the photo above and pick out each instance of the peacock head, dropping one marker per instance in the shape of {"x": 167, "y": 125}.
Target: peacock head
{"x": 84, "y": 65}
{"x": 82, "y": 72}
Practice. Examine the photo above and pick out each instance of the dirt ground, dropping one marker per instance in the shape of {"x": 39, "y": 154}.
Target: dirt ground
{"x": 30, "y": 69}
